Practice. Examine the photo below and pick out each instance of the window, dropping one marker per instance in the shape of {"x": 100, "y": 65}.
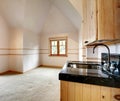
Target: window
{"x": 58, "y": 46}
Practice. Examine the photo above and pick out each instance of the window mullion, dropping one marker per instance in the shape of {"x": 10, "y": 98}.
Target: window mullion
{"x": 58, "y": 47}
{"x": 65, "y": 47}
{"x": 50, "y": 47}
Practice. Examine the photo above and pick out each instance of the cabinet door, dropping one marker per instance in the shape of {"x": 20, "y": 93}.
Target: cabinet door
{"x": 95, "y": 93}
{"x": 89, "y": 21}
{"x": 86, "y": 92}
{"x": 92, "y": 20}
{"x": 106, "y": 94}
{"x": 63, "y": 91}
{"x": 117, "y": 19}
{"x": 78, "y": 92}
{"x": 115, "y": 94}
{"x": 84, "y": 22}
{"x": 71, "y": 91}
{"x": 106, "y": 25}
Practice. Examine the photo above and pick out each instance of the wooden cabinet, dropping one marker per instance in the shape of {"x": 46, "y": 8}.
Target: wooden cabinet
{"x": 95, "y": 93}
{"x": 115, "y": 94}
{"x": 100, "y": 20}
{"x": 71, "y": 91}
{"x": 117, "y": 18}
{"x": 105, "y": 94}
{"x": 106, "y": 20}
{"x": 89, "y": 21}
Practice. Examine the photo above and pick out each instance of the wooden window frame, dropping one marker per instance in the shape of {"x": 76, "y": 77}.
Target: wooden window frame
{"x": 58, "y": 39}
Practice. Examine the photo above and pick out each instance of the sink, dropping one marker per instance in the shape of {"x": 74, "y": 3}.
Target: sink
{"x": 84, "y": 67}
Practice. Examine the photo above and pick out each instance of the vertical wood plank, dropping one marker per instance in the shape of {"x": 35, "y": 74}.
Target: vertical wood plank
{"x": 71, "y": 91}
{"x": 78, "y": 92}
{"x": 106, "y": 94}
{"x": 101, "y": 25}
{"x": 117, "y": 18}
{"x": 64, "y": 91}
{"x": 109, "y": 19}
{"x": 115, "y": 93}
{"x": 95, "y": 93}
{"x": 86, "y": 92}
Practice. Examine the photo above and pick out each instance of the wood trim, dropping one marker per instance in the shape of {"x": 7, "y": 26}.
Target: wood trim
{"x": 91, "y": 58}
{"x": 83, "y": 55}
{"x": 68, "y": 49}
{"x": 19, "y": 54}
{"x": 18, "y": 49}
{"x": 44, "y": 53}
{"x": 58, "y": 55}
{"x": 73, "y": 49}
{"x": 90, "y": 46}
{"x": 10, "y": 71}
{"x": 51, "y": 66}
{"x": 44, "y": 49}
{"x": 73, "y": 53}
{"x": 58, "y": 39}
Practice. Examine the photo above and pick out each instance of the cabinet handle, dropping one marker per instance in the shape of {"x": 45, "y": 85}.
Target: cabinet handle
{"x": 117, "y": 97}
{"x": 86, "y": 41}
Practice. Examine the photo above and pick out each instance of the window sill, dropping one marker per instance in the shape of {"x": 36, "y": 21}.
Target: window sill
{"x": 58, "y": 55}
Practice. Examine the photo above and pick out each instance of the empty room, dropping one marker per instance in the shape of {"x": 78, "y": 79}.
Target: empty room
{"x": 59, "y": 50}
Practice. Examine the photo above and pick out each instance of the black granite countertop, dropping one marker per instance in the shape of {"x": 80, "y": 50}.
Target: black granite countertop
{"x": 88, "y": 76}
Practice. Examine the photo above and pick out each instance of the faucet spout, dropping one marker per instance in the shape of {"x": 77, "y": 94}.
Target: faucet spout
{"x": 108, "y": 52}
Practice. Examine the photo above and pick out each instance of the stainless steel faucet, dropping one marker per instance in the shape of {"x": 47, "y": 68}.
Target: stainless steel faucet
{"x": 108, "y": 53}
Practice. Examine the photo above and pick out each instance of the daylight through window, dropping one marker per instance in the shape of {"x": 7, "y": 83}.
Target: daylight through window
{"x": 58, "y": 46}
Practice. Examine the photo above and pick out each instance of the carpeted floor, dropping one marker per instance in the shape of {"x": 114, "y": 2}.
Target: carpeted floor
{"x": 40, "y": 84}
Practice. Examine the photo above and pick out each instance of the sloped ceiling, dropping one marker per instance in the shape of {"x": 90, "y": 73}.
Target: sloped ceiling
{"x": 57, "y": 23}
{"x": 69, "y": 11}
{"x": 36, "y": 12}
{"x": 13, "y": 11}
{"x": 31, "y": 14}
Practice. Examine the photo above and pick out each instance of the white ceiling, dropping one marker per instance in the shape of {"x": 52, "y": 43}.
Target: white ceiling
{"x": 32, "y": 14}
{"x": 69, "y": 11}
{"x": 57, "y": 23}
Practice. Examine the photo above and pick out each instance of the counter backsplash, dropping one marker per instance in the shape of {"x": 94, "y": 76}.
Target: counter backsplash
{"x": 113, "y": 57}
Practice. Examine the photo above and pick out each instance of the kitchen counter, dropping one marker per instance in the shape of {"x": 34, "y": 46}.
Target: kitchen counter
{"x": 88, "y": 76}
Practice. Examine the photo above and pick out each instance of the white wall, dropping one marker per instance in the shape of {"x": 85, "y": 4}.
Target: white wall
{"x": 114, "y": 48}
{"x": 4, "y": 45}
{"x": 31, "y": 50}
{"x": 25, "y": 19}
{"x": 24, "y": 50}
{"x": 58, "y": 61}
{"x": 58, "y": 25}
{"x": 15, "y": 52}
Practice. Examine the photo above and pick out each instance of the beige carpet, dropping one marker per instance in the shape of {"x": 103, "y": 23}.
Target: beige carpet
{"x": 40, "y": 84}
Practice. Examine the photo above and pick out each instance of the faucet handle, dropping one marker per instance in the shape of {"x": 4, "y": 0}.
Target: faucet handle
{"x": 103, "y": 62}
{"x": 113, "y": 66}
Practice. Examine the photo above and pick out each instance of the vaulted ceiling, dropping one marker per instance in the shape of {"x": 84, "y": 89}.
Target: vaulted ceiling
{"x": 32, "y": 14}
